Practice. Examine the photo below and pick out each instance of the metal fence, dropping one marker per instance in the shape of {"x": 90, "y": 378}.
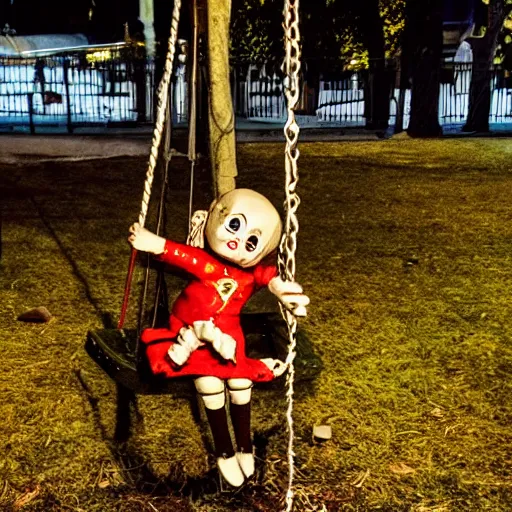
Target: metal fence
{"x": 260, "y": 94}
{"x": 109, "y": 87}
{"x": 454, "y": 93}
{"x": 341, "y": 100}
{"x": 74, "y": 90}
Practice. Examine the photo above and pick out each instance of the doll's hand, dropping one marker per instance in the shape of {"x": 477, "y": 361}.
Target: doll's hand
{"x": 223, "y": 343}
{"x": 186, "y": 343}
{"x": 143, "y": 240}
{"x": 276, "y": 366}
{"x": 290, "y": 294}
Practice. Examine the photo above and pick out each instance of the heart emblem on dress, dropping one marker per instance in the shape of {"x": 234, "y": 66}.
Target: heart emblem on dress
{"x": 225, "y": 288}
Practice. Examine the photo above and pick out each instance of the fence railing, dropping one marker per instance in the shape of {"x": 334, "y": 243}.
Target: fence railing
{"x": 74, "y": 90}
{"x": 114, "y": 87}
{"x": 342, "y": 100}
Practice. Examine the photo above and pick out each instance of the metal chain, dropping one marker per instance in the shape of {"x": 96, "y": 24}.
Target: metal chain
{"x": 288, "y": 246}
{"x": 163, "y": 97}
{"x": 288, "y": 243}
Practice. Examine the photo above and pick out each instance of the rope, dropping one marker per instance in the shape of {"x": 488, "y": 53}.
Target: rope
{"x": 159, "y": 226}
{"x": 163, "y": 97}
{"x": 288, "y": 246}
{"x": 192, "y": 125}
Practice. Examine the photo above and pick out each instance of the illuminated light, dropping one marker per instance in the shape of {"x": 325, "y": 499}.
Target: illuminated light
{"x": 79, "y": 47}
{"x": 353, "y": 62}
{"x": 101, "y": 56}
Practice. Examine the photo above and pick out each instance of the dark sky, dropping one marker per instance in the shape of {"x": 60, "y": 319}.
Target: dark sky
{"x": 458, "y": 10}
{"x": 69, "y": 16}
{"x": 72, "y": 16}
{"x": 107, "y": 24}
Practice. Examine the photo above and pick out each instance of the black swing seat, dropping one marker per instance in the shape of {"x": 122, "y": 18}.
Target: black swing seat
{"x": 266, "y": 335}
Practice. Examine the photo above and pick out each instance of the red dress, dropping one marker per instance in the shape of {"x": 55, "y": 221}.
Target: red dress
{"x": 217, "y": 292}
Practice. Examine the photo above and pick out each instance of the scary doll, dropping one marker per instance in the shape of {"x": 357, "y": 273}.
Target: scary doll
{"x": 204, "y": 339}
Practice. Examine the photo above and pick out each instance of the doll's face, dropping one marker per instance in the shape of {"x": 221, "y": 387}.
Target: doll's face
{"x": 243, "y": 227}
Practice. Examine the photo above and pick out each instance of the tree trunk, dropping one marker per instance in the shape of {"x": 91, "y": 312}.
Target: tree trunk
{"x": 147, "y": 17}
{"x": 400, "y": 107}
{"x": 377, "y": 106}
{"x": 483, "y": 55}
{"x": 201, "y": 132}
{"x": 426, "y": 37}
{"x": 402, "y": 73}
{"x": 378, "y": 87}
{"x": 221, "y": 115}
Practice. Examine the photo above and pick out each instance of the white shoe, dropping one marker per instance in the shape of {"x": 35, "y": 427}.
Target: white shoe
{"x": 246, "y": 462}
{"x": 230, "y": 470}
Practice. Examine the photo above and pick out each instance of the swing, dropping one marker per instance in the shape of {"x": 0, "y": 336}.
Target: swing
{"x": 117, "y": 351}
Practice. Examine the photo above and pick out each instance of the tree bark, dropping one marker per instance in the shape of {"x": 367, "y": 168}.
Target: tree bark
{"x": 201, "y": 131}
{"x": 426, "y": 39}
{"x": 403, "y": 72}
{"x": 147, "y": 17}
{"x": 483, "y": 56}
{"x": 221, "y": 116}
{"x": 378, "y": 87}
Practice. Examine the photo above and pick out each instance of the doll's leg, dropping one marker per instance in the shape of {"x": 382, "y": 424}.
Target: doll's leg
{"x": 212, "y": 391}
{"x": 240, "y": 408}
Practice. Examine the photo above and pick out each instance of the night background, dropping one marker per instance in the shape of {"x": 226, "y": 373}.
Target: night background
{"x": 58, "y": 17}
{"x": 403, "y": 371}
{"x": 102, "y": 20}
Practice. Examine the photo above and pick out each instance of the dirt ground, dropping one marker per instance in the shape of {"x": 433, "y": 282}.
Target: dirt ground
{"x": 405, "y": 251}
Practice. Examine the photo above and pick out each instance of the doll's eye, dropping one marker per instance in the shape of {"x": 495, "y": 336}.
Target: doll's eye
{"x": 252, "y": 243}
{"x": 234, "y": 224}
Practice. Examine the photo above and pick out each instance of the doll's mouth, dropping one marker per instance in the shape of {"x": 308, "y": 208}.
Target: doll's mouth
{"x": 232, "y": 244}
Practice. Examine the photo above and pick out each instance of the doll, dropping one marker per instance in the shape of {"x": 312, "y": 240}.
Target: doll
{"x": 204, "y": 339}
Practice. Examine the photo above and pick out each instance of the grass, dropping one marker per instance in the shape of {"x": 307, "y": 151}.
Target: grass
{"x": 405, "y": 251}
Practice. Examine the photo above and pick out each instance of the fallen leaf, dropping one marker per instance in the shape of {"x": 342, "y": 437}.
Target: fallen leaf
{"x": 401, "y": 469}
{"x": 437, "y": 412}
{"x": 360, "y": 478}
{"x": 26, "y": 498}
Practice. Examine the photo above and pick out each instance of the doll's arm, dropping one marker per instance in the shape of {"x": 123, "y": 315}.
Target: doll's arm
{"x": 193, "y": 260}
{"x": 290, "y": 294}
{"x": 143, "y": 240}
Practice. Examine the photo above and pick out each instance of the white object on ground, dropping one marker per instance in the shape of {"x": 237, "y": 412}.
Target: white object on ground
{"x": 322, "y": 432}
